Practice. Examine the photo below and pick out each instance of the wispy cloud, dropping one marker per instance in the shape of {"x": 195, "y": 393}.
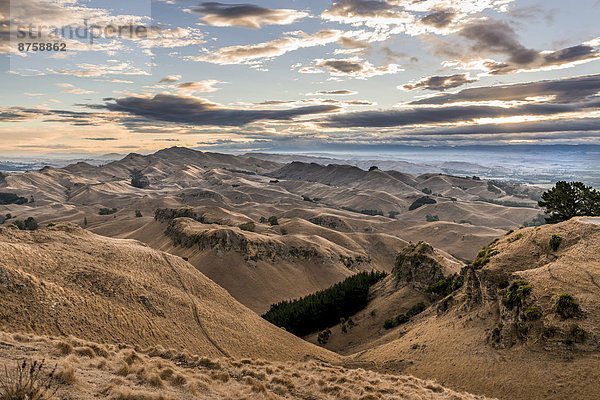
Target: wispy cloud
{"x": 245, "y": 15}
{"x": 350, "y": 67}
{"x": 440, "y": 82}
{"x": 254, "y": 52}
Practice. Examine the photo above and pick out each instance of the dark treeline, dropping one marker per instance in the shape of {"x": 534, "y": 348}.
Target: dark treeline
{"x": 324, "y": 309}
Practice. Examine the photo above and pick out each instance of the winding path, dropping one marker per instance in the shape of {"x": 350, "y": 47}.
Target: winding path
{"x": 194, "y": 308}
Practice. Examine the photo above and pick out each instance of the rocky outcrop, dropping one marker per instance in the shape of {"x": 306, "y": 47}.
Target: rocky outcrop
{"x": 225, "y": 239}
{"x": 417, "y": 265}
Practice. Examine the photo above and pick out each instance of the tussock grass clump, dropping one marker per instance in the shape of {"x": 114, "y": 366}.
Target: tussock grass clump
{"x": 208, "y": 363}
{"x": 220, "y": 376}
{"x": 122, "y": 368}
{"x": 85, "y": 351}
{"x": 129, "y": 394}
{"x": 66, "y": 374}
{"x": 64, "y": 348}
{"x": 178, "y": 380}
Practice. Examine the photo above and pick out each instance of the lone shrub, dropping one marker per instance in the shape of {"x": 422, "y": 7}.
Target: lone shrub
{"x": 446, "y": 285}
{"x": 28, "y": 381}
{"x": 555, "y": 241}
{"x": 404, "y": 318}
{"x": 416, "y": 309}
{"x": 566, "y": 306}
{"x": 138, "y": 214}
{"x": 485, "y": 255}
{"x": 107, "y": 211}
{"x": 248, "y": 226}
{"x": 323, "y": 336}
{"x": 577, "y": 334}
{"x": 516, "y": 293}
{"x": 432, "y": 218}
{"x": 533, "y": 313}
{"x": 273, "y": 220}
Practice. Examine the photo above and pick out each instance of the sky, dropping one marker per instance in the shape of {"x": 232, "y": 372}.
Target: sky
{"x": 138, "y": 76}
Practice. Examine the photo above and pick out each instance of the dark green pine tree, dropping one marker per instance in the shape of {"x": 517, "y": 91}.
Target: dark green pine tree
{"x": 570, "y": 199}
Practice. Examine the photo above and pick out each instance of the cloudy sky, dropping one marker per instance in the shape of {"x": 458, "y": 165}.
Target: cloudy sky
{"x": 269, "y": 75}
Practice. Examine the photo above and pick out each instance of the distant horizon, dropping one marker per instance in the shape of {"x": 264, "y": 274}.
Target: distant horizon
{"x": 540, "y": 164}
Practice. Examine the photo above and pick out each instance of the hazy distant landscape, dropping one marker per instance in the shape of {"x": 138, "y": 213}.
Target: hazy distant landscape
{"x": 538, "y": 165}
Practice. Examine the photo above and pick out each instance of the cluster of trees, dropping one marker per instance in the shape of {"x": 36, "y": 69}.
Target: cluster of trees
{"x": 107, "y": 211}
{"x": 432, "y": 218}
{"x": 248, "y": 226}
{"x": 29, "y": 224}
{"x": 421, "y": 201}
{"x": 324, "y": 309}
{"x": 169, "y": 214}
{"x": 138, "y": 179}
{"x": 366, "y": 212}
{"x": 446, "y": 285}
{"x": 272, "y": 220}
{"x": 11, "y": 198}
{"x": 570, "y": 199}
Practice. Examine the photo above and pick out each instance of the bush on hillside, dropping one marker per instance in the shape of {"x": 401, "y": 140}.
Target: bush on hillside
{"x": 107, "y": 211}
{"x": 516, "y": 293}
{"x": 11, "y": 198}
{"x": 566, "y": 306}
{"x": 273, "y": 220}
{"x": 248, "y": 226}
{"x": 570, "y": 199}
{"x": 30, "y": 224}
{"x": 323, "y": 309}
{"x": 432, "y": 218}
{"x": 421, "y": 201}
{"x": 555, "y": 241}
{"x": 577, "y": 334}
{"x": 138, "y": 214}
{"x": 446, "y": 285}
{"x": 404, "y": 318}
{"x": 533, "y": 313}
{"x": 485, "y": 255}
{"x": 323, "y": 336}
{"x": 392, "y": 214}
{"x": 169, "y": 214}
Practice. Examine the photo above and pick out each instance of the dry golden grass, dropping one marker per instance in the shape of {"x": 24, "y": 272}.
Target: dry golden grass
{"x": 111, "y": 290}
{"x": 455, "y": 346}
{"x": 137, "y": 375}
